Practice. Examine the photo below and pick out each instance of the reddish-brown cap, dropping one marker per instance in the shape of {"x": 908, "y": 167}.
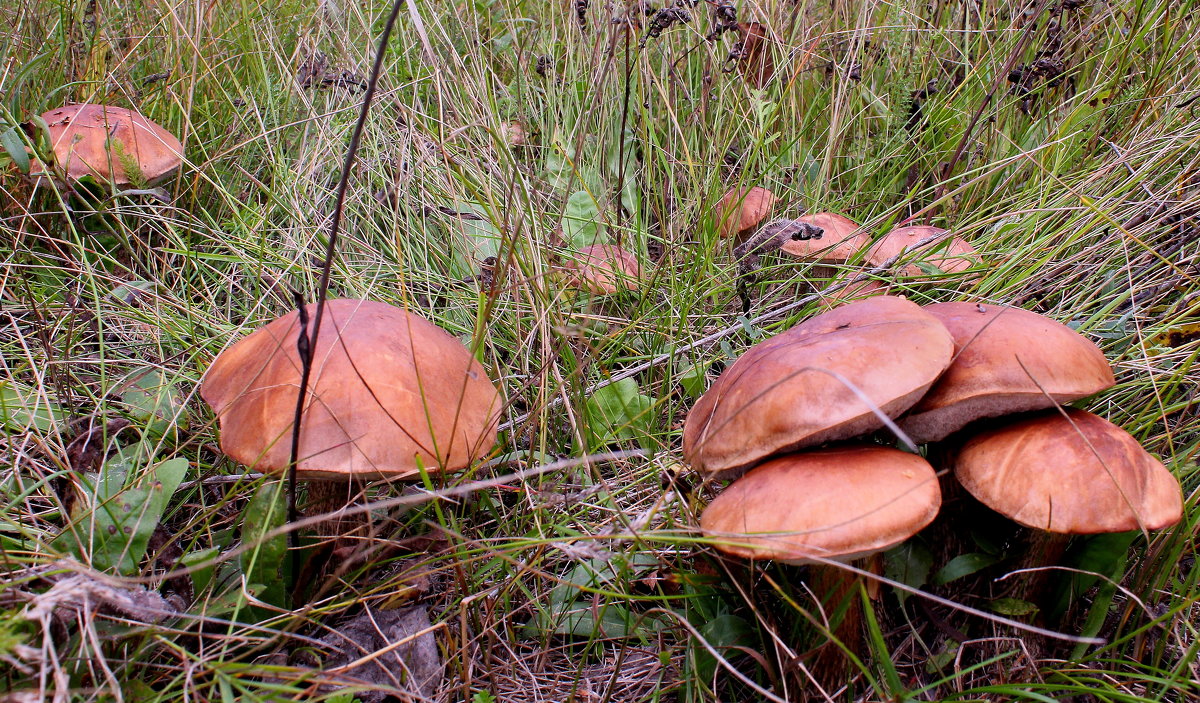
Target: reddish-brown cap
{"x": 1078, "y": 474}
{"x": 842, "y": 239}
{"x": 111, "y": 143}
{"x": 388, "y": 390}
{"x": 604, "y": 269}
{"x": 947, "y": 253}
{"x": 741, "y": 210}
{"x": 1007, "y": 360}
{"x": 839, "y": 503}
{"x": 798, "y": 389}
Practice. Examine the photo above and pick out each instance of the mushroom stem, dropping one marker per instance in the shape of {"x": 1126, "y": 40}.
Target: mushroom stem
{"x": 837, "y": 593}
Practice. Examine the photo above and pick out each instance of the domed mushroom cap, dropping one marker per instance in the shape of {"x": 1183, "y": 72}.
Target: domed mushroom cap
{"x": 388, "y": 389}
{"x": 791, "y": 391}
{"x": 111, "y": 143}
{"x": 840, "y": 503}
{"x": 605, "y": 269}
{"x": 1006, "y": 361}
{"x": 1078, "y": 474}
{"x": 843, "y": 238}
{"x": 948, "y": 253}
{"x": 740, "y": 210}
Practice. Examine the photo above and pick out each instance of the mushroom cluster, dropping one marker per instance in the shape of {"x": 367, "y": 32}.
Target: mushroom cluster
{"x": 830, "y": 239}
{"x": 994, "y": 377}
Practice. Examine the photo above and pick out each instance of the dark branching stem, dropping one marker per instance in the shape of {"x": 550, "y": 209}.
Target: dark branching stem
{"x": 771, "y": 237}
{"x": 307, "y": 341}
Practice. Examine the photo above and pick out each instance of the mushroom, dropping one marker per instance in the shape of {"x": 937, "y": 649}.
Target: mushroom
{"x": 1069, "y": 472}
{"x": 741, "y": 210}
{"x": 390, "y": 395}
{"x": 948, "y": 253}
{"x": 839, "y": 503}
{"x": 604, "y": 269}
{"x": 801, "y": 387}
{"x": 111, "y": 144}
{"x": 842, "y": 240}
{"x": 1007, "y": 360}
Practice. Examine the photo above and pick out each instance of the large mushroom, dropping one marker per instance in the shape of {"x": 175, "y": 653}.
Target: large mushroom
{"x": 1007, "y": 360}
{"x": 111, "y": 144}
{"x": 390, "y": 395}
{"x": 839, "y": 503}
{"x": 820, "y": 381}
{"x": 1070, "y": 472}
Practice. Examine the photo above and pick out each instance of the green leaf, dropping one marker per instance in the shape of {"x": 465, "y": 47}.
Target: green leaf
{"x": 263, "y": 563}
{"x": 581, "y": 221}
{"x": 910, "y": 564}
{"x": 11, "y": 140}
{"x": 963, "y": 565}
{"x": 618, "y": 412}
{"x": 1013, "y": 607}
{"x": 202, "y": 575}
{"x": 721, "y": 632}
{"x": 118, "y": 512}
{"x": 694, "y": 380}
{"x": 22, "y": 409}
{"x": 153, "y": 401}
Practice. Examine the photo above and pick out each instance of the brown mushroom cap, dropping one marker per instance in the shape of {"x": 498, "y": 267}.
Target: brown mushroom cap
{"x": 1007, "y": 360}
{"x": 111, "y": 143}
{"x": 839, "y": 503}
{"x": 1078, "y": 474}
{"x": 948, "y": 253}
{"x": 740, "y": 210}
{"x": 388, "y": 390}
{"x": 785, "y": 393}
{"x": 605, "y": 269}
{"x": 842, "y": 240}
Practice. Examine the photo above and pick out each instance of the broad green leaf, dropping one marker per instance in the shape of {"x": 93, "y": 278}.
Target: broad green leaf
{"x": 264, "y": 562}
{"x": 721, "y": 632}
{"x": 963, "y": 565}
{"x": 908, "y": 563}
{"x": 201, "y": 575}
{"x": 14, "y": 146}
{"x": 694, "y": 380}
{"x": 618, "y": 412}
{"x": 22, "y": 409}
{"x": 581, "y": 221}
{"x": 153, "y": 401}
{"x": 119, "y": 511}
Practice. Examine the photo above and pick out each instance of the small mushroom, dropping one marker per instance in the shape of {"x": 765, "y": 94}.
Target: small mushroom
{"x": 604, "y": 269}
{"x": 802, "y": 387}
{"x": 842, "y": 240}
{"x": 1007, "y": 360}
{"x": 948, "y": 253}
{"x": 741, "y": 210}
{"x": 111, "y": 144}
{"x": 1069, "y": 472}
